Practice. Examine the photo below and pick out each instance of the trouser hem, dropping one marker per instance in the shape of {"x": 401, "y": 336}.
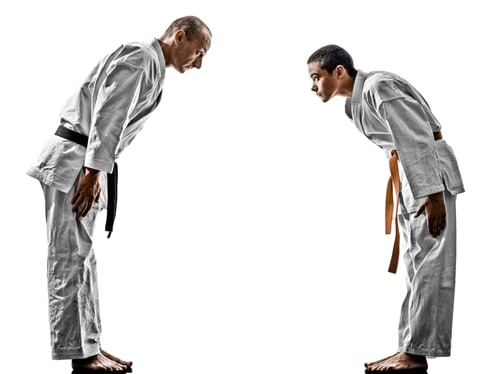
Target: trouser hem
{"x": 76, "y": 354}
{"x": 425, "y": 352}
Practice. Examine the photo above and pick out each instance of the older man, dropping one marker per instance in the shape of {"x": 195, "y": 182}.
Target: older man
{"x": 78, "y": 173}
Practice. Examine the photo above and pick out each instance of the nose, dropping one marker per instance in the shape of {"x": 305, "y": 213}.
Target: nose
{"x": 314, "y": 87}
{"x": 198, "y": 62}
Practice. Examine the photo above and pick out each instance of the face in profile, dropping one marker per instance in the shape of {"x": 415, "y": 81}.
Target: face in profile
{"x": 189, "y": 54}
{"x": 325, "y": 85}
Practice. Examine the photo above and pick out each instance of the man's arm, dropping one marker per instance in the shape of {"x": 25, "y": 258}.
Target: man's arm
{"x": 415, "y": 144}
{"x": 116, "y": 101}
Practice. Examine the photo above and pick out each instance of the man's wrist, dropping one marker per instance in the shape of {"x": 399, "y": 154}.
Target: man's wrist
{"x": 436, "y": 196}
{"x": 92, "y": 172}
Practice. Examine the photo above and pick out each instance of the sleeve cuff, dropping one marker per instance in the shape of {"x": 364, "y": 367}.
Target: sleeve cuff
{"x": 104, "y": 166}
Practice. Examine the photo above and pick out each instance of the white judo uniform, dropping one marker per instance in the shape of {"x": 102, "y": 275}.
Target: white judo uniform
{"x": 394, "y": 115}
{"x": 110, "y": 107}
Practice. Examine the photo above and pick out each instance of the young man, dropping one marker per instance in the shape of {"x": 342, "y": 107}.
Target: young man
{"x": 78, "y": 174}
{"x": 391, "y": 113}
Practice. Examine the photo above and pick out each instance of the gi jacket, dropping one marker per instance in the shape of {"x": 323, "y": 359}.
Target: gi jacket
{"x": 394, "y": 115}
{"x": 110, "y": 107}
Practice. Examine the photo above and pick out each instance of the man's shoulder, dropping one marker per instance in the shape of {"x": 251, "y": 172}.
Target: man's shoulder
{"x": 384, "y": 85}
{"x": 378, "y": 78}
{"x": 141, "y": 48}
{"x": 139, "y": 54}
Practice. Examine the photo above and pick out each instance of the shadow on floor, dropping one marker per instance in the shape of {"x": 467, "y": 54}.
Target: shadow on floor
{"x": 419, "y": 371}
{"x": 80, "y": 371}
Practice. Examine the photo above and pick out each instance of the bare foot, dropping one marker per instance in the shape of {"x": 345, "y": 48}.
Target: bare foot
{"x": 367, "y": 364}
{"x": 116, "y": 359}
{"x": 97, "y": 363}
{"x": 398, "y": 362}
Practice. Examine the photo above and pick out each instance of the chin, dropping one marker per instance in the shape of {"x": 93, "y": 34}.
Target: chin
{"x": 324, "y": 98}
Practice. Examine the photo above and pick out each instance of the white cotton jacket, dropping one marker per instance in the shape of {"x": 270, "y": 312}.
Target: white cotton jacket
{"x": 394, "y": 115}
{"x": 110, "y": 107}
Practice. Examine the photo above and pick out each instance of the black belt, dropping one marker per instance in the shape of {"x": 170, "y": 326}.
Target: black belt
{"x": 112, "y": 178}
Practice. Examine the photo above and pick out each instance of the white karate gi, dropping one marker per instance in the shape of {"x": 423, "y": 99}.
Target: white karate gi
{"x": 110, "y": 107}
{"x": 391, "y": 113}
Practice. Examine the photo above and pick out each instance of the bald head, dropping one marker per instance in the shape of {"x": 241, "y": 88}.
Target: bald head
{"x": 185, "y": 42}
{"x": 190, "y": 25}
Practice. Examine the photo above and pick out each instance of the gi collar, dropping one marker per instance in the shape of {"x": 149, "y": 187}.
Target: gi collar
{"x": 352, "y": 104}
{"x": 161, "y": 57}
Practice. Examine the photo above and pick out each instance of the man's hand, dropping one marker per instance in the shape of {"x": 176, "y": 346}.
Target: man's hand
{"x": 87, "y": 192}
{"x": 434, "y": 206}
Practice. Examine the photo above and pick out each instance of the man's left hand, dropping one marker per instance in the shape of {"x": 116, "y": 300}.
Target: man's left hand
{"x": 434, "y": 207}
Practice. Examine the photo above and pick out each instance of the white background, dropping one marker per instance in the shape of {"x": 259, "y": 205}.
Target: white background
{"x": 249, "y": 235}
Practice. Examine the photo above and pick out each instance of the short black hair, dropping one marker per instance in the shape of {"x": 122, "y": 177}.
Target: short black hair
{"x": 190, "y": 24}
{"x": 330, "y": 56}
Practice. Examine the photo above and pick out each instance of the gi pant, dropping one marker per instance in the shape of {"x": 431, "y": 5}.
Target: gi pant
{"x": 75, "y": 325}
{"x": 425, "y": 326}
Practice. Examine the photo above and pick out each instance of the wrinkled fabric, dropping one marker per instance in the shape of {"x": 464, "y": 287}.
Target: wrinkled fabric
{"x": 394, "y": 115}
{"x": 74, "y": 317}
{"x": 110, "y": 107}
{"x": 425, "y": 326}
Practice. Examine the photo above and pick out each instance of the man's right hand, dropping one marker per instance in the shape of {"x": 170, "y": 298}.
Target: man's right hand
{"x": 87, "y": 192}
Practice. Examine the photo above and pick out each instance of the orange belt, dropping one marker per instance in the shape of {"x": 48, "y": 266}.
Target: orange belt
{"x": 394, "y": 183}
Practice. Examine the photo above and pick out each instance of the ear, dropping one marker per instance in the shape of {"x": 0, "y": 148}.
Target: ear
{"x": 340, "y": 71}
{"x": 179, "y": 36}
